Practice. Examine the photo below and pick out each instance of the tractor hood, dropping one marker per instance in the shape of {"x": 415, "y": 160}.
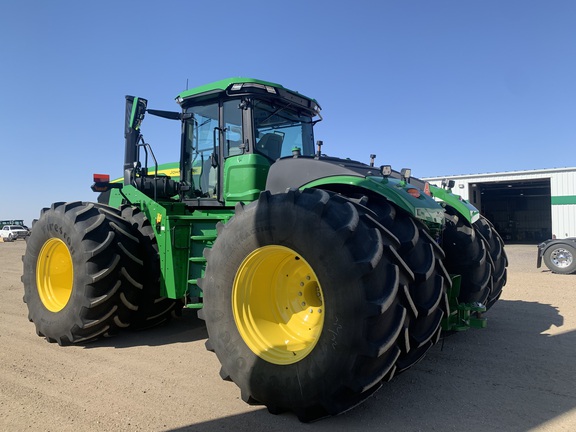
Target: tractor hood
{"x": 297, "y": 172}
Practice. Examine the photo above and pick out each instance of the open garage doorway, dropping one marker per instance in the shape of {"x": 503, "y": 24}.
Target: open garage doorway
{"x": 520, "y": 210}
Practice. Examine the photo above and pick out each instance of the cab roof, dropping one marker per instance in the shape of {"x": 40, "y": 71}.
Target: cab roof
{"x": 226, "y": 84}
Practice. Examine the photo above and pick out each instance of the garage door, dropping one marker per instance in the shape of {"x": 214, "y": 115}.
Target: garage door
{"x": 520, "y": 210}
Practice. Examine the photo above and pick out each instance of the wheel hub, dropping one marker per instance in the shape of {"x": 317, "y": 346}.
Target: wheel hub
{"x": 561, "y": 258}
{"x": 277, "y": 304}
{"x": 54, "y": 275}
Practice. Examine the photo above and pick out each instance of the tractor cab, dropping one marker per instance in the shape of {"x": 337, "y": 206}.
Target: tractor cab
{"x": 233, "y": 131}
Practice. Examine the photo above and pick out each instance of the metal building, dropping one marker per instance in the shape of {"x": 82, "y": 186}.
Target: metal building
{"x": 525, "y": 206}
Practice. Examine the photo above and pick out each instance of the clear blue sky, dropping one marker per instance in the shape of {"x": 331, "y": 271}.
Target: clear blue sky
{"x": 444, "y": 87}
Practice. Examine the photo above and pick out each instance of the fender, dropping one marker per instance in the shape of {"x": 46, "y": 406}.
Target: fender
{"x": 467, "y": 210}
{"x": 341, "y": 175}
{"x": 422, "y": 207}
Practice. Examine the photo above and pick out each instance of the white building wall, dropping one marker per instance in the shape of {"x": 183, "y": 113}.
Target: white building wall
{"x": 564, "y": 220}
{"x": 563, "y": 184}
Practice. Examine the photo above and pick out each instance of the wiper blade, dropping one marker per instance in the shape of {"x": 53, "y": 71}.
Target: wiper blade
{"x": 275, "y": 113}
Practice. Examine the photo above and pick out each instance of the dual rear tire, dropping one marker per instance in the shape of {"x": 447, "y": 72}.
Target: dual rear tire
{"x": 87, "y": 274}
{"x": 80, "y": 273}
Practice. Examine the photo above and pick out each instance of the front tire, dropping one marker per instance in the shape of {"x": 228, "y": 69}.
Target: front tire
{"x": 467, "y": 254}
{"x": 302, "y": 302}
{"x": 499, "y": 260}
{"x": 76, "y": 273}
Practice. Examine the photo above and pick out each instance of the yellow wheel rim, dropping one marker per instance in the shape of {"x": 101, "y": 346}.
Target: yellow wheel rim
{"x": 54, "y": 275}
{"x": 277, "y": 304}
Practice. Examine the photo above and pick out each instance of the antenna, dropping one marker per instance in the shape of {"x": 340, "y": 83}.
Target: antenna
{"x": 186, "y": 83}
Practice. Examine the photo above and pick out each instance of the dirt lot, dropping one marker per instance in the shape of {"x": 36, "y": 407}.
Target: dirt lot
{"x": 516, "y": 375}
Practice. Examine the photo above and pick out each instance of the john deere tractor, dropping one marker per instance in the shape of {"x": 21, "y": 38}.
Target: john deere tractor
{"x": 318, "y": 278}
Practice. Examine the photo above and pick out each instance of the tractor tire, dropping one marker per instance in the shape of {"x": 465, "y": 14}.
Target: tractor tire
{"x": 560, "y": 258}
{"x": 303, "y": 302}
{"x": 467, "y": 254}
{"x": 499, "y": 260}
{"x": 427, "y": 292}
{"x": 78, "y": 271}
{"x": 153, "y": 308}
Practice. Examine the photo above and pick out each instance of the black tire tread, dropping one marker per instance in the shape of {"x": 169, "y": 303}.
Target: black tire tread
{"x": 426, "y": 293}
{"x": 467, "y": 254}
{"x": 497, "y": 255}
{"x": 153, "y": 308}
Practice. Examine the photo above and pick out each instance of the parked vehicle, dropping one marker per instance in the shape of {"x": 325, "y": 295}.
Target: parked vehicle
{"x": 559, "y": 255}
{"x": 13, "y": 232}
{"x": 11, "y": 222}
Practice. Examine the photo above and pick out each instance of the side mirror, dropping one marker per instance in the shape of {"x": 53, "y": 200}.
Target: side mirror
{"x": 135, "y": 111}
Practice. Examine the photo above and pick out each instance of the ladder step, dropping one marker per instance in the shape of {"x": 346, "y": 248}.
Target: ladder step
{"x": 203, "y": 237}
{"x": 197, "y": 259}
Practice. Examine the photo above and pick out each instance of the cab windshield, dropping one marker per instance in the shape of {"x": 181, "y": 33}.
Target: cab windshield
{"x": 278, "y": 129}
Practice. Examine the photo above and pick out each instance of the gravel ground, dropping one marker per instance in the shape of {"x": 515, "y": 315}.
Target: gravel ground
{"x": 515, "y": 375}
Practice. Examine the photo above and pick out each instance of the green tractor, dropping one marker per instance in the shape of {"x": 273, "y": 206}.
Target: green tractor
{"x": 318, "y": 278}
